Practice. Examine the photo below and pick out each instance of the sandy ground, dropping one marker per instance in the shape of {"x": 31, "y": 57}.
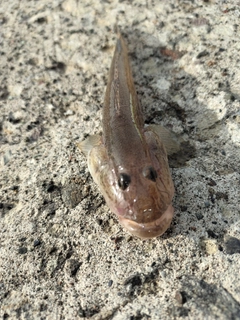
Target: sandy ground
{"x": 63, "y": 255}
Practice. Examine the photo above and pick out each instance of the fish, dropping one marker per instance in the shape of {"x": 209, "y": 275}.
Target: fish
{"x": 129, "y": 160}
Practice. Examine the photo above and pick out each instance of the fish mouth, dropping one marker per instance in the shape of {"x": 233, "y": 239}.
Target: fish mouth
{"x": 150, "y": 229}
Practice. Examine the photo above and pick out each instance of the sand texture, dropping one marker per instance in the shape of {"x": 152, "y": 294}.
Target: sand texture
{"x": 63, "y": 254}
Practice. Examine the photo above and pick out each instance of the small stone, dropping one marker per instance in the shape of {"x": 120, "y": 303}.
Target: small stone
{"x": 210, "y": 246}
{"x": 22, "y": 250}
{"x": 212, "y": 182}
{"x": 202, "y": 54}
{"x": 163, "y": 84}
{"x": 212, "y": 234}
{"x": 232, "y": 245}
{"x": 110, "y": 282}
{"x": 7, "y": 156}
{"x": 199, "y": 216}
{"x": 36, "y": 243}
{"x": 183, "y": 208}
{"x": 180, "y": 296}
{"x": 207, "y": 204}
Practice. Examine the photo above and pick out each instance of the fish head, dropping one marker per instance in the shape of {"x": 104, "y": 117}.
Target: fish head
{"x": 140, "y": 192}
{"x": 145, "y": 208}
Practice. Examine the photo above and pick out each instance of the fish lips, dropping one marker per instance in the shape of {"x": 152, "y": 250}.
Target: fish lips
{"x": 151, "y": 229}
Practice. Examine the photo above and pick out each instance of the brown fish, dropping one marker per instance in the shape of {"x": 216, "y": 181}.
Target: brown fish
{"x": 129, "y": 162}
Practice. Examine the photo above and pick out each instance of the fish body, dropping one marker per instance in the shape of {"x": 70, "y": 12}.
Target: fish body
{"x": 129, "y": 162}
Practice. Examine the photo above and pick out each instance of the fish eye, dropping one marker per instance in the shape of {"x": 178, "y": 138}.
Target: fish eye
{"x": 150, "y": 173}
{"x": 124, "y": 181}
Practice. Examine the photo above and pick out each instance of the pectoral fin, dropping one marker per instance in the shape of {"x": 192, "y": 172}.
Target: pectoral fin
{"x": 91, "y": 141}
{"x": 168, "y": 138}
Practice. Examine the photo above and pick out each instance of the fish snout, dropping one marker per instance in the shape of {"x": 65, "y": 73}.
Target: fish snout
{"x": 150, "y": 225}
